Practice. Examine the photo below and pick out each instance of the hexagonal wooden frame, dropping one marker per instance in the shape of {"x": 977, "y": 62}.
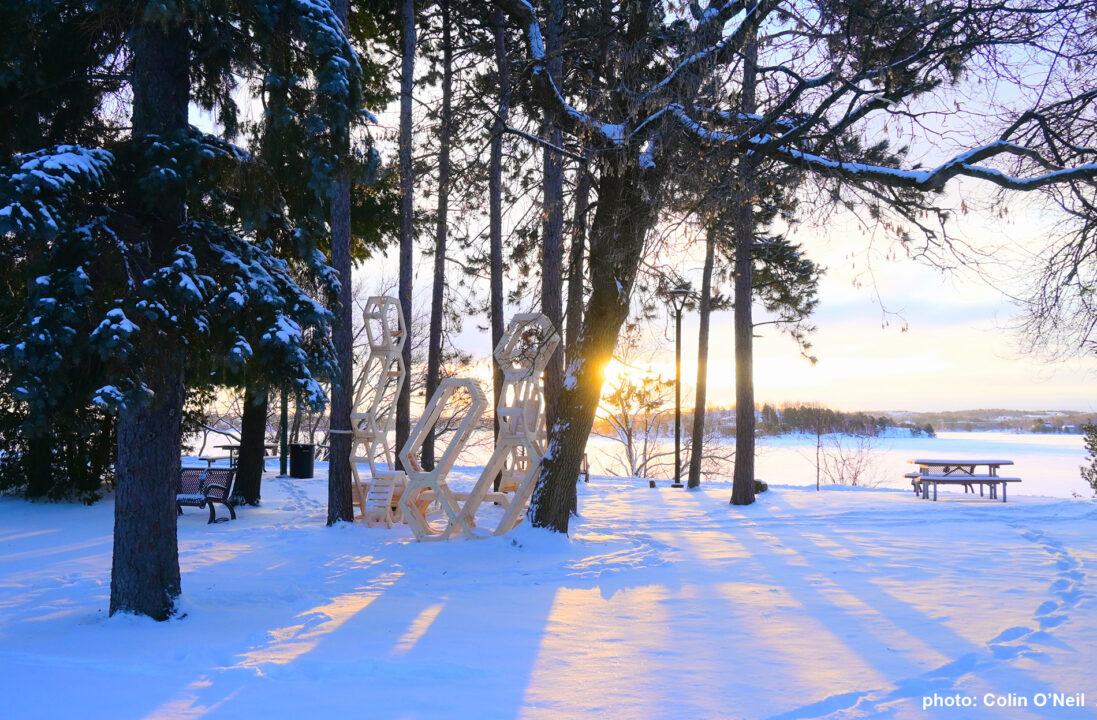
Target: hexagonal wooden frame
{"x": 520, "y": 446}
{"x": 426, "y": 486}
{"x": 379, "y": 384}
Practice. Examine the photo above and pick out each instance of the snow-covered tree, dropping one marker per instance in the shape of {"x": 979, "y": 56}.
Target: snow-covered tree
{"x": 164, "y": 248}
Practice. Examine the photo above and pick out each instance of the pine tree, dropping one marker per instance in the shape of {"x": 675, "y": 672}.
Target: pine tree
{"x": 167, "y": 242}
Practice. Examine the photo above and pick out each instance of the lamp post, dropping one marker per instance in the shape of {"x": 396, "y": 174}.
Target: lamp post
{"x": 678, "y": 298}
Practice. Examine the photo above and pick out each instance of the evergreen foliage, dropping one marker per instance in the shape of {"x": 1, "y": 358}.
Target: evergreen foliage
{"x": 237, "y": 279}
{"x": 1089, "y": 470}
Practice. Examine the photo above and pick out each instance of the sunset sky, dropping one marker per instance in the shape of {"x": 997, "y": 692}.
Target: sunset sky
{"x": 957, "y": 352}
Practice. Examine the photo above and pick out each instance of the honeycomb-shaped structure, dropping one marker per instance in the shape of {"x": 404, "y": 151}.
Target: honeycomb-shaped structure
{"x": 523, "y": 352}
{"x": 428, "y": 487}
{"x": 379, "y": 384}
{"x": 385, "y": 329}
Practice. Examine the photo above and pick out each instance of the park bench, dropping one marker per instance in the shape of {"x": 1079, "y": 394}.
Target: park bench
{"x": 203, "y": 487}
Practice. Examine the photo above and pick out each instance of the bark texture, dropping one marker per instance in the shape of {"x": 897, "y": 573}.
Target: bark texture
{"x": 626, "y": 209}
{"x": 407, "y": 213}
{"x": 145, "y": 572}
{"x": 340, "y": 503}
{"x": 697, "y": 444}
{"x": 576, "y": 263}
{"x": 253, "y": 439}
{"x": 495, "y": 212}
{"x": 742, "y": 491}
{"x": 552, "y": 245}
{"x": 438, "y": 292}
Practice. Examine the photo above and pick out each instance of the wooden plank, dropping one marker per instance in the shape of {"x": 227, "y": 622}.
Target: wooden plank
{"x": 967, "y": 479}
{"x": 959, "y": 461}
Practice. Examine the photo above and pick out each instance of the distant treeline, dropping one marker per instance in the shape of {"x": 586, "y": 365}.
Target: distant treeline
{"x": 811, "y": 419}
{"x": 999, "y": 419}
{"x": 816, "y": 420}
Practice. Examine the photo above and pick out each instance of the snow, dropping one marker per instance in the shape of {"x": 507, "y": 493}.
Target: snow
{"x": 614, "y": 132}
{"x": 647, "y": 156}
{"x": 115, "y": 325}
{"x": 662, "y": 604}
{"x": 571, "y": 378}
{"x": 108, "y": 396}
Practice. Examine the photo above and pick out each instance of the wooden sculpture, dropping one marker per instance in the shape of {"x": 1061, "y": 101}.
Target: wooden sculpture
{"x": 426, "y": 487}
{"x": 522, "y": 353}
{"x": 375, "y": 396}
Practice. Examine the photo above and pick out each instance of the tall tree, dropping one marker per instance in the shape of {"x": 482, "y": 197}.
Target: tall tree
{"x": 704, "y": 310}
{"x": 60, "y": 445}
{"x": 145, "y": 571}
{"x": 167, "y": 241}
{"x": 407, "y": 207}
{"x": 552, "y": 202}
{"x": 340, "y": 504}
{"x": 438, "y": 292}
{"x": 495, "y": 208}
{"x": 250, "y": 457}
{"x": 742, "y": 490}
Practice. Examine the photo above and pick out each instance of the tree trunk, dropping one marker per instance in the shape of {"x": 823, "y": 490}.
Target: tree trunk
{"x": 574, "y": 310}
{"x": 39, "y": 466}
{"x": 552, "y": 240}
{"x": 697, "y": 445}
{"x": 253, "y": 438}
{"x": 495, "y": 210}
{"x": 742, "y": 491}
{"x": 340, "y": 502}
{"x": 145, "y": 572}
{"x": 434, "y": 351}
{"x": 552, "y": 245}
{"x": 407, "y": 215}
{"x": 583, "y": 184}
{"x": 624, "y": 213}
{"x": 283, "y": 434}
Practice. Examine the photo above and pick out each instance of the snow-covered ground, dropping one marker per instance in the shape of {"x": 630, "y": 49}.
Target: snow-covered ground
{"x": 661, "y": 604}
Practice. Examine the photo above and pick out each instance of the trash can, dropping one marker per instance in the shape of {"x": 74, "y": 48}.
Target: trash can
{"x": 300, "y": 460}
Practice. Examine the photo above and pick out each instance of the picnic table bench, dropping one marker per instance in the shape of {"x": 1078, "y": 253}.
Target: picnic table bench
{"x": 209, "y": 460}
{"x": 202, "y": 487}
{"x": 936, "y": 471}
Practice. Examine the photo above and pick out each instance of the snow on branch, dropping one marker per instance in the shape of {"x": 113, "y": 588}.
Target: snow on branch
{"x": 34, "y": 193}
{"x": 543, "y": 82}
{"x": 965, "y": 164}
{"x": 734, "y": 12}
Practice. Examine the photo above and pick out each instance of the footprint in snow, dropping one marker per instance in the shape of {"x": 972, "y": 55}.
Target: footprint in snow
{"x": 1047, "y": 608}
{"x": 1013, "y": 633}
{"x": 1052, "y": 621}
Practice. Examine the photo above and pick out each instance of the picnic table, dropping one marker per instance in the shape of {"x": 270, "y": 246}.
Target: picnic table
{"x": 935, "y": 471}
{"x": 211, "y": 459}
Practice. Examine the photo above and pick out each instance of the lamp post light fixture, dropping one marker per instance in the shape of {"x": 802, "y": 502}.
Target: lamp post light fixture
{"x": 678, "y": 298}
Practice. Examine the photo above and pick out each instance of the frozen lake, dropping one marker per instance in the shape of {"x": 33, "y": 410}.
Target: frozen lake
{"x": 1047, "y": 464}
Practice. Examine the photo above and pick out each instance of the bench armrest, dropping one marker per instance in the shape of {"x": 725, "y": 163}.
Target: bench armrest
{"x": 213, "y": 485}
